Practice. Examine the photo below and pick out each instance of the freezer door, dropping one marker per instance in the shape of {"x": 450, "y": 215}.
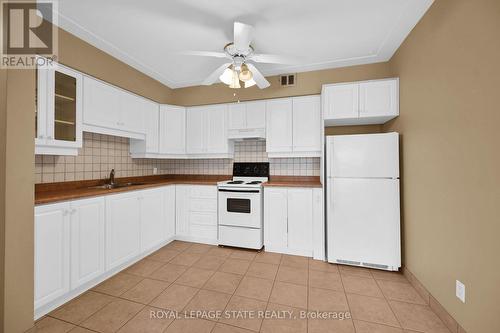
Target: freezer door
{"x": 363, "y": 156}
{"x": 364, "y": 222}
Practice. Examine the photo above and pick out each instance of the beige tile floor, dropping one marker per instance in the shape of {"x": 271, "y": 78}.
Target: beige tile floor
{"x": 188, "y": 277}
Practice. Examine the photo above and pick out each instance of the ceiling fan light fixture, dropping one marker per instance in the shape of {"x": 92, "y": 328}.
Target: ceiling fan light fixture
{"x": 235, "y": 81}
{"x": 227, "y": 76}
{"x": 245, "y": 73}
{"x": 250, "y": 83}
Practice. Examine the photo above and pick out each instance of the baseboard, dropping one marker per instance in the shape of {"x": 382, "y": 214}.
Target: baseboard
{"x": 438, "y": 309}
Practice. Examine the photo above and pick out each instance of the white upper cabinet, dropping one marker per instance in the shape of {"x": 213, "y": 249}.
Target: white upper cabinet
{"x": 279, "y": 122}
{"x": 360, "y": 103}
{"x": 206, "y": 131}
{"x": 341, "y": 101}
{"x": 113, "y": 111}
{"x": 172, "y": 130}
{"x": 195, "y": 130}
{"x": 247, "y": 120}
{"x": 150, "y": 145}
{"x": 58, "y": 123}
{"x": 307, "y": 124}
{"x": 132, "y": 109}
{"x": 294, "y": 127}
{"x": 216, "y": 126}
{"x": 256, "y": 114}
{"x": 237, "y": 116}
{"x": 378, "y": 98}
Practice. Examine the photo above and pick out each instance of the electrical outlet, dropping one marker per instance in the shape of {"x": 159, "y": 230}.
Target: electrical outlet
{"x": 155, "y": 171}
{"x": 460, "y": 291}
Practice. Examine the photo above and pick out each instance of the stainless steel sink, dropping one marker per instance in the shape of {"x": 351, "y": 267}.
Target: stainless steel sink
{"x": 115, "y": 185}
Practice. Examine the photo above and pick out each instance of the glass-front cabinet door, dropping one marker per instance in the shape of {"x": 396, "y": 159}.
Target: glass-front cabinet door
{"x": 59, "y": 110}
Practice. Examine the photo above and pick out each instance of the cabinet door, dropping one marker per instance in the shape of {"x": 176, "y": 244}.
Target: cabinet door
{"x": 341, "y": 101}
{"x": 132, "y": 112}
{"x": 300, "y": 216}
{"x": 151, "y": 126}
{"x": 122, "y": 228}
{"x": 172, "y": 130}
{"x": 306, "y": 123}
{"x": 101, "y": 104}
{"x": 169, "y": 204}
{"x": 279, "y": 125}
{"x": 195, "y": 130}
{"x": 275, "y": 219}
{"x": 87, "y": 240}
{"x": 256, "y": 114}
{"x": 152, "y": 218}
{"x": 237, "y": 116}
{"x": 379, "y": 98}
{"x": 182, "y": 210}
{"x": 51, "y": 252}
{"x": 64, "y": 106}
{"x": 217, "y": 130}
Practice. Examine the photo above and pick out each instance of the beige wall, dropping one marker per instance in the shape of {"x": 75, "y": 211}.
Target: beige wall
{"x": 88, "y": 59}
{"x": 346, "y": 130}
{"x": 18, "y": 168}
{"x": 450, "y": 79}
{"x": 307, "y": 83}
{"x": 3, "y": 128}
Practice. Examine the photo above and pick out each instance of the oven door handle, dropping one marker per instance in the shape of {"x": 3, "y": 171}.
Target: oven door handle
{"x": 239, "y": 191}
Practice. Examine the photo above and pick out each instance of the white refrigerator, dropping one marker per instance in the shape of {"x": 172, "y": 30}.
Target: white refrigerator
{"x": 362, "y": 200}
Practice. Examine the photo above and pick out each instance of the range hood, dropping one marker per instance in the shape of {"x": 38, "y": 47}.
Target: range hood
{"x": 247, "y": 133}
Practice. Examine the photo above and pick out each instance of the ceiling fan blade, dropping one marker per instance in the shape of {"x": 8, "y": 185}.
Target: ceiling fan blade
{"x": 212, "y": 78}
{"x": 243, "y": 35}
{"x": 259, "y": 79}
{"x": 273, "y": 59}
{"x": 204, "y": 54}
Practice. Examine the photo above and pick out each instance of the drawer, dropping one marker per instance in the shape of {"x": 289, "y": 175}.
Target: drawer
{"x": 240, "y": 237}
{"x": 209, "y": 192}
{"x": 203, "y": 205}
{"x": 208, "y": 219}
{"x": 203, "y": 231}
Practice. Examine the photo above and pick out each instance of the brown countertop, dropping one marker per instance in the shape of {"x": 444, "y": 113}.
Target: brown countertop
{"x": 294, "y": 181}
{"x": 55, "y": 192}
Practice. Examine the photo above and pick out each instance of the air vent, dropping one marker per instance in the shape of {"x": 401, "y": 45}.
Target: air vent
{"x": 287, "y": 80}
{"x": 348, "y": 262}
{"x": 367, "y": 264}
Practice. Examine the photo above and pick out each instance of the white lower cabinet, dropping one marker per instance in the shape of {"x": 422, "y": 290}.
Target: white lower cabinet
{"x": 152, "y": 219}
{"x": 87, "y": 240}
{"x": 123, "y": 215}
{"x": 51, "y": 252}
{"x": 169, "y": 204}
{"x": 196, "y": 218}
{"x": 289, "y": 216}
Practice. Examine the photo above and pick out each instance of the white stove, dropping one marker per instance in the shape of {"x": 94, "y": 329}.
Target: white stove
{"x": 240, "y": 206}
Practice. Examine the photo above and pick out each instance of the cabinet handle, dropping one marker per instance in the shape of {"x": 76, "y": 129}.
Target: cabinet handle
{"x": 49, "y": 137}
{"x": 73, "y": 211}
{"x": 65, "y": 212}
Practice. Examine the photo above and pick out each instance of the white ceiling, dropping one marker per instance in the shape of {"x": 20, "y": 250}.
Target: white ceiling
{"x": 149, "y": 34}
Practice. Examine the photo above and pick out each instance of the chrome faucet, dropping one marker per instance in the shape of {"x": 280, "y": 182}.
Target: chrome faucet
{"x": 112, "y": 177}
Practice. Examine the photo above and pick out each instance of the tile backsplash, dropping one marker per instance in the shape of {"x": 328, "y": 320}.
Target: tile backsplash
{"x": 101, "y": 153}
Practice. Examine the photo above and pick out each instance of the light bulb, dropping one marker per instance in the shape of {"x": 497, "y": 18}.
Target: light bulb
{"x": 250, "y": 83}
{"x": 227, "y": 76}
{"x": 245, "y": 73}
{"x": 235, "y": 81}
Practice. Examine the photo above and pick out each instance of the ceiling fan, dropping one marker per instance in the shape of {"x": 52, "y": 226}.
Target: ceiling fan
{"x": 241, "y": 54}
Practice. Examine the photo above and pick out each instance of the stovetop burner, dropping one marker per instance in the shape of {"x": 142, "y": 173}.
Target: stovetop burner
{"x": 236, "y": 182}
{"x": 254, "y": 182}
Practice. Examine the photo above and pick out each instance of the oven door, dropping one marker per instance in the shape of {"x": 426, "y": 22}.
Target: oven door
{"x": 240, "y": 208}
